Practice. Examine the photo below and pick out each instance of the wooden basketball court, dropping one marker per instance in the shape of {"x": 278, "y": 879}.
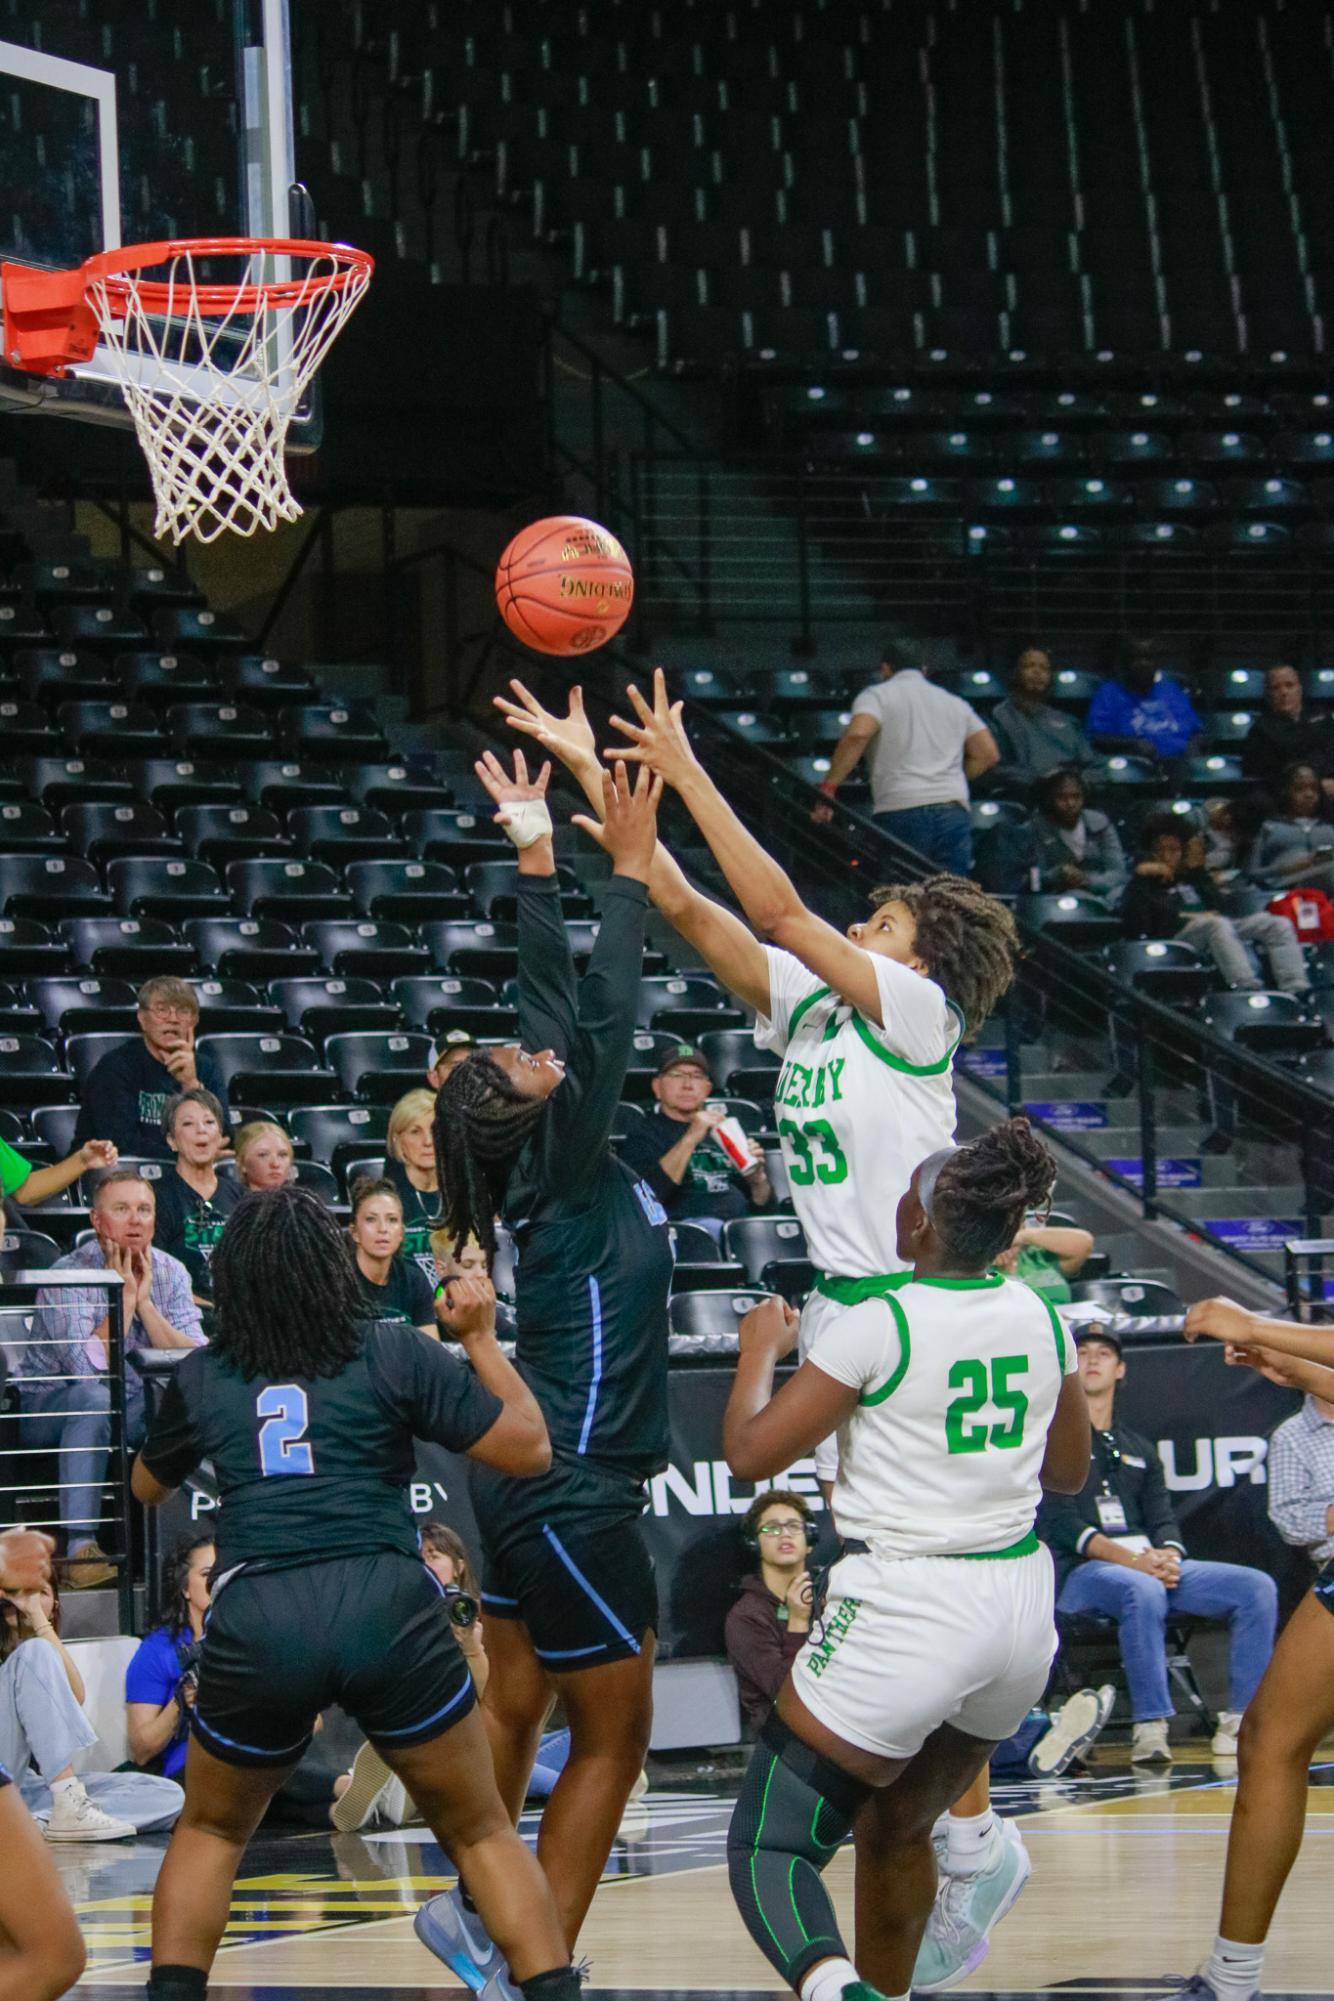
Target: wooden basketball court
{"x": 1123, "y": 1896}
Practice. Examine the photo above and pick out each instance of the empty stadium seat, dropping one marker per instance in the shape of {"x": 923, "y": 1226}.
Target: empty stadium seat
{"x": 712, "y": 1314}
{"x": 166, "y": 887}
{"x": 757, "y": 1241}
{"x": 292, "y": 891}
{"x": 250, "y": 948}
{"x": 50, "y": 886}
{"x": 281, "y": 1069}
{"x": 379, "y": 1067}
{"x": 410, "y": 891}
{"x": 73, "y": 1005}
{"x": 319, "y": 1007}
{"x": 334, "y": 1133}
{"x": 375, "y": 950}
{"x": 134, "y": 947}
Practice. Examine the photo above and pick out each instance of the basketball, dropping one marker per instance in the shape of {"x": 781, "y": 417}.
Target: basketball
{"x": 564, "y": 585}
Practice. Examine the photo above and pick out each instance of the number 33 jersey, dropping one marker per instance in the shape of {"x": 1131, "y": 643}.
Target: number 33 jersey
{"x": 317, "y": 1466}
{"x": 858, "y": 1105}
{"x": 957, "y": 1382}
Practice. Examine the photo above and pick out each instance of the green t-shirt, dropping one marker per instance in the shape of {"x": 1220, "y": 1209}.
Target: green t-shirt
{"x": 14, "y": 1169}
{"x": 1042, "y": 1270}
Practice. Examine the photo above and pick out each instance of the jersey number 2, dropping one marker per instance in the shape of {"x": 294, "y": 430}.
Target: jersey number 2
{"x": 283, "y": 1446}
{"x": 971, "y": 1377}
{"x": 831, "y": 1167}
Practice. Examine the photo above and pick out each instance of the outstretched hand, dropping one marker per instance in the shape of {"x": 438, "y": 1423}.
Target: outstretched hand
{"x": 1224, "y": 1320}
{"x": 569, "y": 737}
{"x": 658, "y": 738}
{"x": 629, "y": 826}
{"x": 505, "y": 791}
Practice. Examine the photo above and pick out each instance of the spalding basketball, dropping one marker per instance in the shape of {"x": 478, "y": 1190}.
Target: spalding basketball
{"x": 564, "y": 585}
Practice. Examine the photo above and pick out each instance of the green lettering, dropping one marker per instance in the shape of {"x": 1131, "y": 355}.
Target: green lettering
{"x": 819, "y": 1086}
{"x": 836, "y": 1067}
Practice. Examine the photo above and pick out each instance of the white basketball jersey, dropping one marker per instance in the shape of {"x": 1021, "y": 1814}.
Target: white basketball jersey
{"x": 958, "y": 1381}
{"x": 858, "y": 1105}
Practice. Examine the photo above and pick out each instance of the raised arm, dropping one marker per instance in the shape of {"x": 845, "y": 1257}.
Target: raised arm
{"x": 1225, "y": 1321}
{"x": 731, "y": 952}
{"x": 764, "y": 890}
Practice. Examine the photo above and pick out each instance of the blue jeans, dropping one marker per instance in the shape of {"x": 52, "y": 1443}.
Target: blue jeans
{"x": 552, "y": 1756}
{"x": 944, "y": 834}
{"x": 75, "y": 1416}
{"x": 1141, "y": 1605}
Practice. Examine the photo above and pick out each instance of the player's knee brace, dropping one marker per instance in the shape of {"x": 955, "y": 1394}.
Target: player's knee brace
{"x": 794, "y": 1811}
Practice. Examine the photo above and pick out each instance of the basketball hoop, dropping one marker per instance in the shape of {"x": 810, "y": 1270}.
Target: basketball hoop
{"x": 212, "y": 374}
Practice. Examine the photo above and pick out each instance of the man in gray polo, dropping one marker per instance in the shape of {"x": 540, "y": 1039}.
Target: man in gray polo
{"x": 925, "y": 745}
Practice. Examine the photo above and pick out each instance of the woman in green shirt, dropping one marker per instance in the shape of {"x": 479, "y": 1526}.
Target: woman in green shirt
{"x": 1047, "y": 1256}
{"x": 410, "y": 1146}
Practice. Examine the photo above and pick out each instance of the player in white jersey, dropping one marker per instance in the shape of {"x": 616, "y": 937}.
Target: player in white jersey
{"x": 956, "y": 1399}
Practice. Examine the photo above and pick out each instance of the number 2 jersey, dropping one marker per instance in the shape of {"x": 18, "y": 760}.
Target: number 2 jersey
{"x": 957, "y": 1383}
{"x": 317, "y": 1466}
{"x": 859, "y": 1104}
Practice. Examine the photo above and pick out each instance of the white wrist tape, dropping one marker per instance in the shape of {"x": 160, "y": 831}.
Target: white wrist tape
{"x": 527, "y": 821}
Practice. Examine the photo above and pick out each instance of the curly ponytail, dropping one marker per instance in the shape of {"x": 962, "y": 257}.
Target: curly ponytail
{"x": 986, "y": 1188}
{"x": 481, "y": 1123}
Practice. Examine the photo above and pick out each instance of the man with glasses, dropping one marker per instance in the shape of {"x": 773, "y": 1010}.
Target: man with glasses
{"x": 128, "y": 1091}
{"x": 767, "y": 1627}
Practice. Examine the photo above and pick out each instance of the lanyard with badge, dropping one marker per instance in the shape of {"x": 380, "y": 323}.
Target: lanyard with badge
{"x": 1111, "y": 1508}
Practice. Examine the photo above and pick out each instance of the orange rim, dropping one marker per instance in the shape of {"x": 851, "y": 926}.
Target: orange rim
{"x": 113, "y": 269}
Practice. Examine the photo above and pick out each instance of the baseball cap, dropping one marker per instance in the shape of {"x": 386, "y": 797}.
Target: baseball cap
{"x": 454, "y": 1038}
{"x": 1097, "y": 1330}
{"x": 682, "y": 1053}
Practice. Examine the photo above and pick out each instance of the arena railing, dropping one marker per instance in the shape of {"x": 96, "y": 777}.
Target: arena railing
{"x": 1202, "y": 1132}
{"x": 82, "y": 1487}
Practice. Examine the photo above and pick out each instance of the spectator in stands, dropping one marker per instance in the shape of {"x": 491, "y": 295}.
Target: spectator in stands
{"x": 672, "y": 1148}
{"x": 1032, "y": 737}
{"x": 1300, "y": 1465}
{"x": 1075, "y": 846}
{"x": 1142, "y": 711}
{"x": 161, "y": 1680}
{"x": 927, "y": 745}
{"x": 27, "y": 1185}
{"x": 410, "y": 1166}
{"x": 1047, "y": 1256}
{"x": 265, "y": 1156}
{"x": 1172, "y": 895}
{"x": 194, "y": 1200}
{"x": 69, "y": 1342}
{"x": 394, "y": 1287}
{"x": 448, "y": 1053}
{"x": 1119, "y": 1553}
{"x": 44, "y": 1727}
{"x": 768, "y": 1626}
{"x": 128, "y": 1091}
{"x": 1286, "y": 732}
{"x": 1295, "y": 848}
{"x": 471, "y": 1261}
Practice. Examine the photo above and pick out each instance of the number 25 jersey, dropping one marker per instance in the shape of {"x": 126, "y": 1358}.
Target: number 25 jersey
{"x": 858, "y": 1104}
{"x": 957, "y": 1382}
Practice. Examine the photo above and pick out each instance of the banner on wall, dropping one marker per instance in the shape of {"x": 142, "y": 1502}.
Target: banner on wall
{"x": 1210, "y": 1423}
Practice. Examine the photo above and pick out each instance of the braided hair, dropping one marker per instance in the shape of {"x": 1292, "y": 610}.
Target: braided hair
{"x": 985, "y": 1189}
{"x": 285, "y": 1292}
{"x": 481, "y": 1123}
{"x": 966, "y": 939}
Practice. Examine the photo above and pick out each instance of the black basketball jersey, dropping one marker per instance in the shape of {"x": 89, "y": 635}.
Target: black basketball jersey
{"x": 316, "y": 1466}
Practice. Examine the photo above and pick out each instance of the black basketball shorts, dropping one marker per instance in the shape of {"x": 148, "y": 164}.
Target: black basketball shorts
{"x": 369, "y": 1632}
{"x": 566, "y": 1555}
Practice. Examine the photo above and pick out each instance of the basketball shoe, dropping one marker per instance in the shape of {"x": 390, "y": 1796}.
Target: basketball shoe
{"x": 966, "y": 1912}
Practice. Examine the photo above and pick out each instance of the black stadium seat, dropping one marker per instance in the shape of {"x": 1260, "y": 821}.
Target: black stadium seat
{"x": 319, "y": 1007}
{"x": 342, "y": 834}
{"x": 98, "y": 828}
{"x": 163, "y": 886}
{"x": 422, "y": 999}
{"x": 379, "y": 1068}
{"x": 31, "y": 1072}
{"x": 377, "y": 951}
{"x": 411, "y": 891}
{"x": 757, "y": 1241}
{"x": 293, "y": 891}
{"x": 50, "y": 886}
{"x": 334, "y": 1133}
{"x": 250, "y": 948}
{"x": 135, "y": 947}
{"x": 224, "y": 832}
{"x": 73, "y": 1005}
{"x": 710, "y": 1313}
{"x": 281, "y": 1069}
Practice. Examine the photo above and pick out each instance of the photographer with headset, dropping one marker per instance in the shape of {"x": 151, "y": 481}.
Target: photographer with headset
{"x": 767, "y": 1627}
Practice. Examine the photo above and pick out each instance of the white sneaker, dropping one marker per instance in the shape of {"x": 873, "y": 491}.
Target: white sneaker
{"x": 375, "y": 1793}
{"x": 1224, "y": 1743}
{"x": 74, "y": 1817}
{"x": 1148, "y": 1743}
{"x": 1073, "y": 1728}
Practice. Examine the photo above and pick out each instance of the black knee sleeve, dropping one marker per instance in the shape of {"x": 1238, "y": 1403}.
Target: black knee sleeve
{"x": 795, "y": 1809}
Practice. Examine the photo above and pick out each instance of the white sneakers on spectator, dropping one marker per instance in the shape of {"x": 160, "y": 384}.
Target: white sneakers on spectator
{"x": 1148, "y": 1743}
{"x": 374, "y": 1793}
{"x": 1073, "y": 1728}
{"x": 1224, "y": 1743}
{"x": 74, "y": 1817}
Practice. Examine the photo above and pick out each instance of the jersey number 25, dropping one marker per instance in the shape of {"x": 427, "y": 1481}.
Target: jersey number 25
{"x": 283, "y": 1446}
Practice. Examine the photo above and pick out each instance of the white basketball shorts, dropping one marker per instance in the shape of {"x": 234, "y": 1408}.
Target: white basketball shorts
{"x": 906, "y": 1645}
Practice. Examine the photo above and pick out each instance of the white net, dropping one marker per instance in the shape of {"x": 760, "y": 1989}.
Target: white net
{"x": 213, "y": 375}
